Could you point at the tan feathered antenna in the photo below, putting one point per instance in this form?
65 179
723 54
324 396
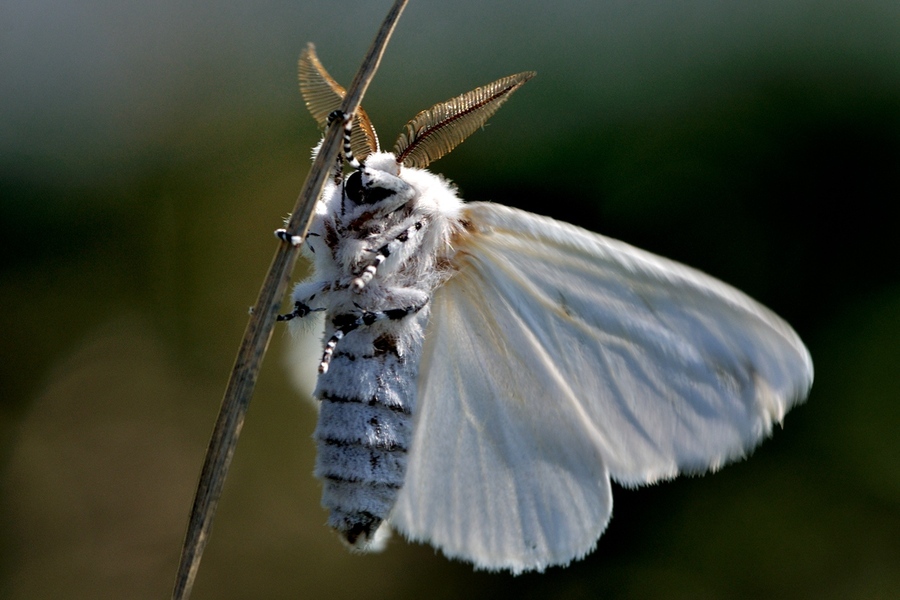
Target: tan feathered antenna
438 130
323 95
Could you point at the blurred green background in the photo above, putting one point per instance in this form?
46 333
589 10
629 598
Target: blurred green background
148 150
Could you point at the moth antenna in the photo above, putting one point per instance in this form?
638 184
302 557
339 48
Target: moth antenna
323 96
438 130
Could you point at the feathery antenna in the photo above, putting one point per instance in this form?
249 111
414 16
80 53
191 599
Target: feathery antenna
438 130
324 95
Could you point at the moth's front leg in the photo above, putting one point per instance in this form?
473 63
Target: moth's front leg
295 240
284 236
368 273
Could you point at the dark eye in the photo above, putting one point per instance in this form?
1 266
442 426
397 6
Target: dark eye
353 187
359 194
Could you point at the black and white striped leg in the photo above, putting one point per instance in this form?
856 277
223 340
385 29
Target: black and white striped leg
346 323
284 236
381 255
300 311
348 130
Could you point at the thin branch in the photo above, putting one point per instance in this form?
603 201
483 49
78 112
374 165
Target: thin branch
262 321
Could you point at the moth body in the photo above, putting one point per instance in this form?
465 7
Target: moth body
397 231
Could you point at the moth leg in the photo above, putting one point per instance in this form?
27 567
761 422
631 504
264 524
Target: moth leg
348 130
381 255
295 240
348 322
304 293
284 236
300 310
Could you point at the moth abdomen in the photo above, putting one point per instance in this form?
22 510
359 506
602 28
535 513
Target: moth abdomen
362 469
363 436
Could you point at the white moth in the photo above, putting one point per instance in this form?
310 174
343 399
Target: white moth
487 372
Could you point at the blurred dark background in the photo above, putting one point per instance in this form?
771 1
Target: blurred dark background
147 151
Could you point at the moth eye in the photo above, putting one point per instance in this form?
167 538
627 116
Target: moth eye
359 194
353 187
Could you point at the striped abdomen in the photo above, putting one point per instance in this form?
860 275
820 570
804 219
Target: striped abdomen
363 434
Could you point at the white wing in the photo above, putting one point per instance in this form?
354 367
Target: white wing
555 359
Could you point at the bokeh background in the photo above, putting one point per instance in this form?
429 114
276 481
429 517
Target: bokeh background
148 150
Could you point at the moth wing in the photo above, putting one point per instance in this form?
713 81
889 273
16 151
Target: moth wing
555 359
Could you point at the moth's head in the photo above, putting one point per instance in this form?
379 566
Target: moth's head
377 179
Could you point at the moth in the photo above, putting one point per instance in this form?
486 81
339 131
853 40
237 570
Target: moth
487 372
